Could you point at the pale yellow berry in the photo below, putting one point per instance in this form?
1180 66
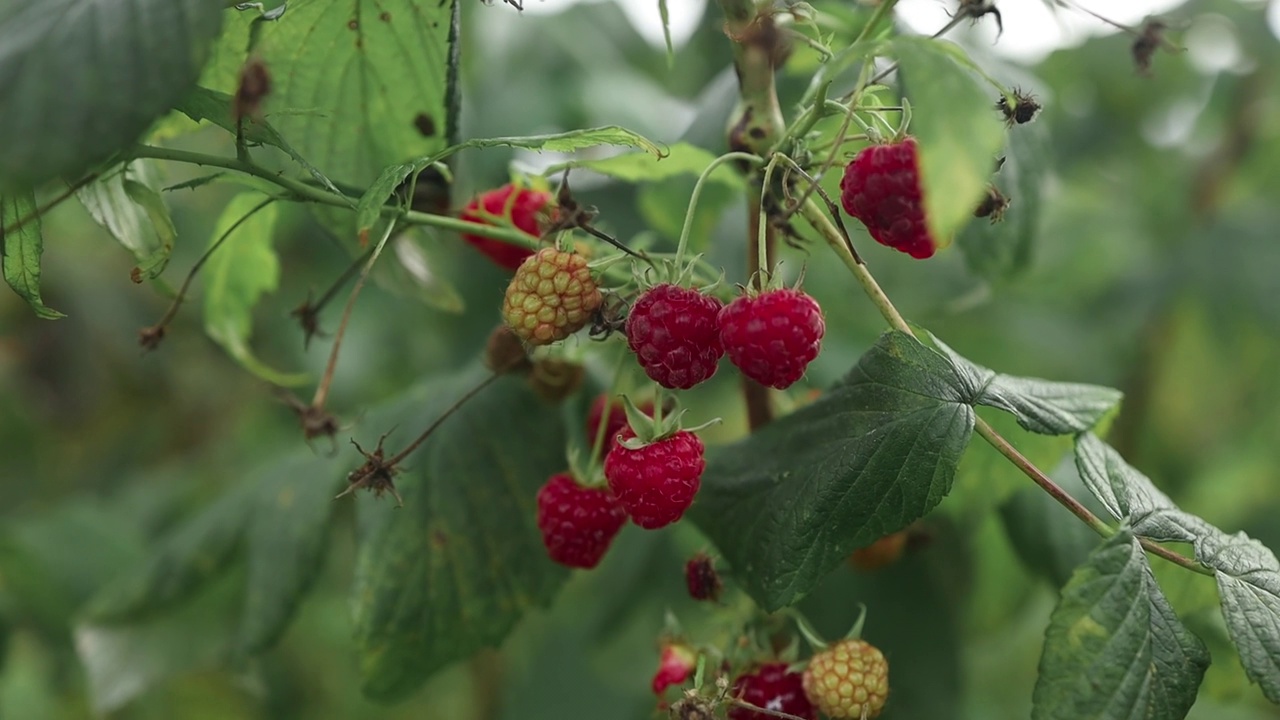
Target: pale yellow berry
847 679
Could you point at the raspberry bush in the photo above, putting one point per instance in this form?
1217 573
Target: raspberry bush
557 371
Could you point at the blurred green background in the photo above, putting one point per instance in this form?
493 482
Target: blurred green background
1150 265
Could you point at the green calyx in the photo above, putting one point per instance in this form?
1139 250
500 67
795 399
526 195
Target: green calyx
662 425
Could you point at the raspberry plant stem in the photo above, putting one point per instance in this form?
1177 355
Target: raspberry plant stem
304 192
687 229
834 238
322 390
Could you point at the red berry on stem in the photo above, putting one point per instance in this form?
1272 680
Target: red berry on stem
701 578
772 337
676 665
656 483
524 215
675 335
881 187
578 523
773 688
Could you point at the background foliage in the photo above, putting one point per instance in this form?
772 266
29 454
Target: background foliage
1147 264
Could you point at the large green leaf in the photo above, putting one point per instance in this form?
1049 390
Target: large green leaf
286 540
877 452
20 250
126 204
454 569
183 562
681 159
238 273
1249 584
1124 491
956 125
82 79
359 85
1114 647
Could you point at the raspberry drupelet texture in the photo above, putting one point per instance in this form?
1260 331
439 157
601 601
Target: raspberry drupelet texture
657 482
675 335
577 523
847 679
551 296
881 187
524 215
772 337
773 688
701 578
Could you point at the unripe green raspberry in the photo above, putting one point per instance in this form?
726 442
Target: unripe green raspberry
551 296
846 679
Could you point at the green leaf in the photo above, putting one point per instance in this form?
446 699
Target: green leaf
124 661
287 537
456 568
21 249
1124 491
956 126
151 203
358 86
681 159
1005 249
120 65
236 275
184 561
370 207
1248 577
1041 406
126 205
1114 648
872 455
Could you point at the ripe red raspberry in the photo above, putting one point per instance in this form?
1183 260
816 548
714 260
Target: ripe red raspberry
578 523
551 296
524 215
676 665
674 333
773 688
881 187
614 423
846 679
657 482
772 337
701 578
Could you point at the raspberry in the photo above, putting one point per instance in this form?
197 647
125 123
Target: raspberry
614 423
772 337
773 688
657 482
551 296
674 333
577 523
674 667
847 679
881 553
524 215
702 579
881 187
